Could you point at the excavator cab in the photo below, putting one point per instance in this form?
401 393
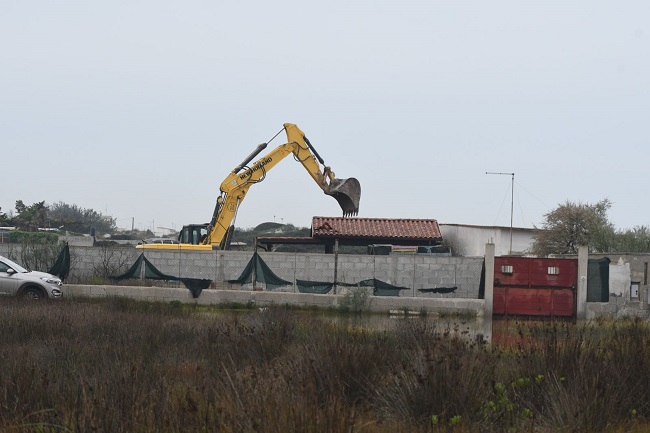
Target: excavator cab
193 234
348 193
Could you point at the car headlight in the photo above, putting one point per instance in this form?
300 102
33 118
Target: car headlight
55 281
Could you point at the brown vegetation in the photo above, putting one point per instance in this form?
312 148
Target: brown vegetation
123 366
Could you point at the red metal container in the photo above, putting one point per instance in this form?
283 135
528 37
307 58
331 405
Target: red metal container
535 286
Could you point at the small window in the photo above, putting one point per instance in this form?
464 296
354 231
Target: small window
553 270
506 269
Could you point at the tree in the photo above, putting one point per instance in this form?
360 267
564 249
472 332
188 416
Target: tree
30 218
80 220
573 224
636 240
4 219
59 215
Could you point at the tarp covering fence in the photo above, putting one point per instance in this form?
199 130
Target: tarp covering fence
61 266
317 287
258 271
143 268
439 290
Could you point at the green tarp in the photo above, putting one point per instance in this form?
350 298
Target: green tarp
439 290
61 267
150 271
380 288
258 271
317 287
144 268
598 280
196 285
481 284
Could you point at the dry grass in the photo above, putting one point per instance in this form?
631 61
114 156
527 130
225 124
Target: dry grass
122 366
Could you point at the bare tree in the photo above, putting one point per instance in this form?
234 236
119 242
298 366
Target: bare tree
112 261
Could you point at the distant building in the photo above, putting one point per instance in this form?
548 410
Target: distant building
470 240
4 234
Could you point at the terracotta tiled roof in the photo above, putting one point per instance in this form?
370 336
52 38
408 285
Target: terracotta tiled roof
398 229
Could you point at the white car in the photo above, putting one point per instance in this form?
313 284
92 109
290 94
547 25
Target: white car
18 281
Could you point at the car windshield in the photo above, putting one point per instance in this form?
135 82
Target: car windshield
14 265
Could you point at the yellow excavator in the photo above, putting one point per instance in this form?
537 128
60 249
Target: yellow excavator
218 233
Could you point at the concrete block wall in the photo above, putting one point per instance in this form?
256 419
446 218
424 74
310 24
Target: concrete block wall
201 264
283 265
86 262
82 241
415 272
231 264
638 272
617 307
313 267
354 268
411 271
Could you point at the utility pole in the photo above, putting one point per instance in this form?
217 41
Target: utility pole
512 201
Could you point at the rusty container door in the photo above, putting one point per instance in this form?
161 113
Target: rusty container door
535 286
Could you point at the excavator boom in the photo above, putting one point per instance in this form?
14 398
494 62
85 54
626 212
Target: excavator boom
347 192
234 187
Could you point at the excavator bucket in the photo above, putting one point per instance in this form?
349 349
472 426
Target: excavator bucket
348 193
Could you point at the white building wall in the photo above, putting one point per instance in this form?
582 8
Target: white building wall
469 241
620 279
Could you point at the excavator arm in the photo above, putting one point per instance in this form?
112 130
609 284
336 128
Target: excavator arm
235 186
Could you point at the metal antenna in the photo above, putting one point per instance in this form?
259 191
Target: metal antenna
512 201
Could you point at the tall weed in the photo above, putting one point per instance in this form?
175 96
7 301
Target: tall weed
124 366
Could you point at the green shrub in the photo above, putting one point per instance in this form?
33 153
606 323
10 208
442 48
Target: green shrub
21 237
356 300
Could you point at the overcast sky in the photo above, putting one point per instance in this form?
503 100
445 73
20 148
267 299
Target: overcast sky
139 109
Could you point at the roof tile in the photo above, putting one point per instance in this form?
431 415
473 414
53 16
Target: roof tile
327 227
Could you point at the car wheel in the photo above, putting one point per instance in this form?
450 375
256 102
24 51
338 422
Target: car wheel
33 293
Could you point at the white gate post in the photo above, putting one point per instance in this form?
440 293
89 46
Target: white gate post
581 295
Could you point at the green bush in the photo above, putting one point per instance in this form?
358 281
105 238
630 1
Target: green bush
356 300
21 237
